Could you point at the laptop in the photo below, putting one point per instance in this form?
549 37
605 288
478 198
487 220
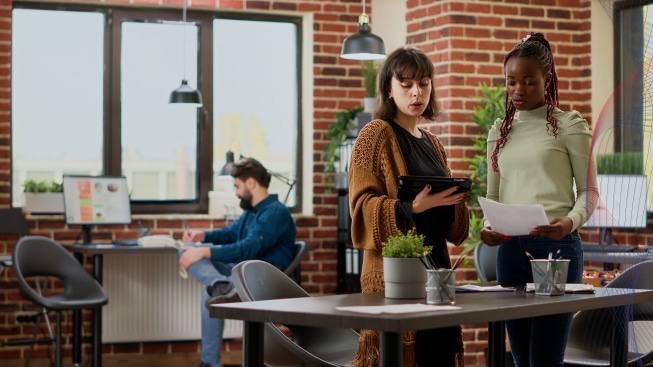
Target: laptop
410 186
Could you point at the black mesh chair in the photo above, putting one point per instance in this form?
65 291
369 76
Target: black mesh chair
293 269
591 331
36 256
309 346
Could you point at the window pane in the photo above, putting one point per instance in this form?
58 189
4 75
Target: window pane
647 117
57 91
156 135
255 96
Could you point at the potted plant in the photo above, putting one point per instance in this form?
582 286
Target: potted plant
369 72
338 132
403 272
43 197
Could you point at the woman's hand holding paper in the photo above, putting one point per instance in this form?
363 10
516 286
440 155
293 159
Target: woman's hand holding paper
491 238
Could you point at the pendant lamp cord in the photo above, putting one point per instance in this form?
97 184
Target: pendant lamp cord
184 36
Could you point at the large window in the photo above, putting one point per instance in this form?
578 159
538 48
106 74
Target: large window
633 130
101 78
57 95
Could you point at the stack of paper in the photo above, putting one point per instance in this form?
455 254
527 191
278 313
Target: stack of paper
396 309
569 288
468 288
513 220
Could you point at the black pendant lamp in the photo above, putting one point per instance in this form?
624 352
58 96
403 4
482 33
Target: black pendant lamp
363 45
185 94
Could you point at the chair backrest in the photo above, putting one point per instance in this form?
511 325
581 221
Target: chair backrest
485 260
591 330
293 269
257 281
41 256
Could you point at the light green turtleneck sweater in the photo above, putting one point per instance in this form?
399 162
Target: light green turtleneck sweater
536 168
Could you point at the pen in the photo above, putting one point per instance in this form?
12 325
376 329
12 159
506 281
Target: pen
529 255
556 255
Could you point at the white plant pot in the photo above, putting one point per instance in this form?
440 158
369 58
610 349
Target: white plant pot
404 278
369 104
44 202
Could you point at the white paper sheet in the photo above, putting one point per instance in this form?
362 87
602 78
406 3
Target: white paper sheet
513 220
395 309
467 288
569 288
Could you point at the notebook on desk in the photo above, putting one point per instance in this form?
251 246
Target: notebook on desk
127 242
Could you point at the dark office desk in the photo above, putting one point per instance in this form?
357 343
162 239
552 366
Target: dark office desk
96 251
494 308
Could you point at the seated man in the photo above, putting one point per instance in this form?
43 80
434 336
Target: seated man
265 232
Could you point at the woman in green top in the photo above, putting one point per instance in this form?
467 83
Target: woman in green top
535 153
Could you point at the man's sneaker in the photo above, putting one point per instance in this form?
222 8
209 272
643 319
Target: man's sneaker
222 293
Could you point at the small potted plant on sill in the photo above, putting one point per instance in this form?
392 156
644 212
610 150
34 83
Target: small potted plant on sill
43 197
403 272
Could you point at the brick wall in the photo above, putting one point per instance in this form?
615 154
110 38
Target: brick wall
467 41
337 85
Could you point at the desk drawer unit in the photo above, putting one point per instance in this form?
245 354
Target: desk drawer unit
149 301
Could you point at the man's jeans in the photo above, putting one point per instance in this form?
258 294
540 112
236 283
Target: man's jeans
538 341
208 272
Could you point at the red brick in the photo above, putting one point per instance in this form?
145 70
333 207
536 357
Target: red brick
284 6
257 4
155 348
185 346
310 7
531 12
500 9
477 8
542 24
517 23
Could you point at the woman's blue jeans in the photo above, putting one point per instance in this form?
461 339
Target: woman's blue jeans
538 341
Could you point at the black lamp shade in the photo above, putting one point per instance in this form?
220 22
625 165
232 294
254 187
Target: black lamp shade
363 45
186 94
228 166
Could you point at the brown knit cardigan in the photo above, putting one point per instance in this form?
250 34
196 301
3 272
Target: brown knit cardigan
376 163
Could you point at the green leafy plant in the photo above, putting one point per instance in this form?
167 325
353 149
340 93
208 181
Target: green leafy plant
621 164
405 245
41 186
485 114
337 133
369 71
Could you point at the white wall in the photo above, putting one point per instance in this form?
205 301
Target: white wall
388 21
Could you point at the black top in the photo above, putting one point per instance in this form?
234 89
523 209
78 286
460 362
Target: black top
422 160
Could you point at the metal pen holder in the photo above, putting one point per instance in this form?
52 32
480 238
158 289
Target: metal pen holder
550 276
441 287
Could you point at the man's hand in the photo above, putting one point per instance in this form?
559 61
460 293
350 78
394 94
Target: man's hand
193 254
491 238
556 230
192 236
424 201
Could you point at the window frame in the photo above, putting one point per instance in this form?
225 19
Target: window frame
111 152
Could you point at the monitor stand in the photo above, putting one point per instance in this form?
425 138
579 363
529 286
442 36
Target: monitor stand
605 239
86 231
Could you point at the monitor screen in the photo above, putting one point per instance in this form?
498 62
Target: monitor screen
96 200
622 202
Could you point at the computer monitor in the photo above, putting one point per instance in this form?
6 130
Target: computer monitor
90 200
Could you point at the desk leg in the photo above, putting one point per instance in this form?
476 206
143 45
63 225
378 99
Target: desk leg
497 344
391 349
619 348
77 327
97 316
253 348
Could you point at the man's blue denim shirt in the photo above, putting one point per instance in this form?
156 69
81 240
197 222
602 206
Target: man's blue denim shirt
265 232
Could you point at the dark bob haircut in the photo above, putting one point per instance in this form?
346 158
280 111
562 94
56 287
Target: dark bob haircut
405 63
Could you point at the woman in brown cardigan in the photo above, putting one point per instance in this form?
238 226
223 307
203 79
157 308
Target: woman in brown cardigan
388 147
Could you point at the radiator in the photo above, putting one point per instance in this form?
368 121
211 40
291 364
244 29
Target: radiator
149 301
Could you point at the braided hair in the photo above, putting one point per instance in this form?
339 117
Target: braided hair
537 47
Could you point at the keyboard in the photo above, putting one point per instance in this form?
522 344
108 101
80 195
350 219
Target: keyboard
127 242
609 248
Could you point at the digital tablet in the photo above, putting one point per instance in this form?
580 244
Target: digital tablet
410 186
